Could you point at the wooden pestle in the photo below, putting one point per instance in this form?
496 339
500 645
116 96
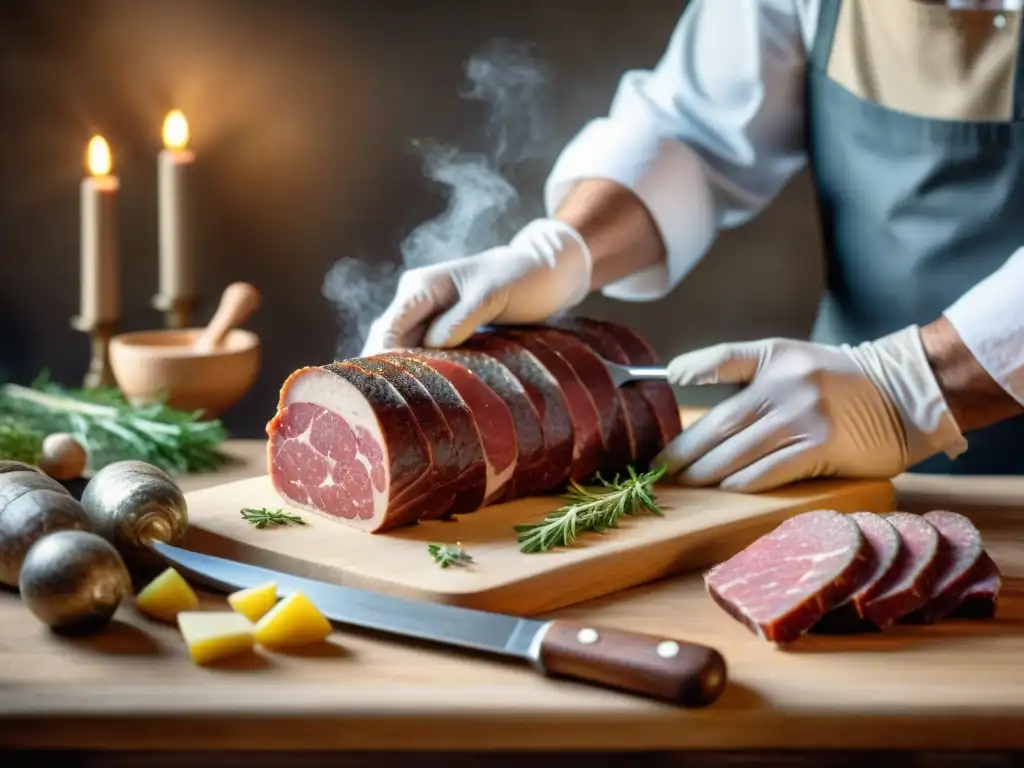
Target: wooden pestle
237 304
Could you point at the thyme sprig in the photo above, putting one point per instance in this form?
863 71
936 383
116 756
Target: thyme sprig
262 517
446 554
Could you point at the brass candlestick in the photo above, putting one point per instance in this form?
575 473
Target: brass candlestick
177 311
100 373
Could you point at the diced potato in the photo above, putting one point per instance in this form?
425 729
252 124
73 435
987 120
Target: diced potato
214 635
293 621
253 603
166 596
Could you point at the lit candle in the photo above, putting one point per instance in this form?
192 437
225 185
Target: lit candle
99 267
177 267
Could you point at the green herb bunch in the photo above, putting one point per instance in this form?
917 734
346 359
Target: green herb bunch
107 426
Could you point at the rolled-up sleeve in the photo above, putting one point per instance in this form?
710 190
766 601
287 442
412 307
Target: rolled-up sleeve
708 137
990 321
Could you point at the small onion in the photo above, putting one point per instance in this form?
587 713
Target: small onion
74 581
62 457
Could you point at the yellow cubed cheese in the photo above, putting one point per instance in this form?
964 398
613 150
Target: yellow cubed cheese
166 596
214 635
254 602
293 621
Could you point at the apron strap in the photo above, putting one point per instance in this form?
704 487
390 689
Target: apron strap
1018 76
828 19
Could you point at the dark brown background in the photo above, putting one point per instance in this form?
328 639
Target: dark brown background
302 113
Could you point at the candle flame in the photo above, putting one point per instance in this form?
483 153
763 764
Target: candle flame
175 130
98 156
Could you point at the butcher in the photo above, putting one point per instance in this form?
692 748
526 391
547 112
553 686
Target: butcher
910 117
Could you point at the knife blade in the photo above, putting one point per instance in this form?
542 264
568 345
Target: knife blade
669 670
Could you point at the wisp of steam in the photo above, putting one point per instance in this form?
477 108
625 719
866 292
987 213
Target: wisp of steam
484 208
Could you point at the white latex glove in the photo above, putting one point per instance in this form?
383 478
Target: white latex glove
811 410
544 270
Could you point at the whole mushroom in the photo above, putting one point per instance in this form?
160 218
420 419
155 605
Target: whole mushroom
32 505
131 503
73 581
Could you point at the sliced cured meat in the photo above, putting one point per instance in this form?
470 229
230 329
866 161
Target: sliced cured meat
782 584
980 597
658 394
479 419
907 586
959 551
588 447
462 448
884 542
598 384
527 438
642 429
546 397
345 444
436 434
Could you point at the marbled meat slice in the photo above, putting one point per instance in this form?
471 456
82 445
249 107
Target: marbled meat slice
782 584
959 551
885 543
980 598
482 419
908 585
588 449
546 397
527 437
659 395
642 429
345 445
598 383
434 429
465 451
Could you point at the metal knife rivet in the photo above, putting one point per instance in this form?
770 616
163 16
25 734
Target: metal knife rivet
587 636
999 21
668 649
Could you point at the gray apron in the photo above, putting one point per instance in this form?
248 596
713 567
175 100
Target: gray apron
915 211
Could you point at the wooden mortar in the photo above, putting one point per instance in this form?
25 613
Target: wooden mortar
208 369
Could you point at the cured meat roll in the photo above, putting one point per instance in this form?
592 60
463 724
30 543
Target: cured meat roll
346 445
417 435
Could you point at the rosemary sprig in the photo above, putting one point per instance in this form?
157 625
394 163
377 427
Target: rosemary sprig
593 508
263 517
445 554
107 426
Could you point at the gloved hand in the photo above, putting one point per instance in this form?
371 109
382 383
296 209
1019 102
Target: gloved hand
811 410
544 270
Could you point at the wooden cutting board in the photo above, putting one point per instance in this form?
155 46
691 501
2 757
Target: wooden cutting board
700 527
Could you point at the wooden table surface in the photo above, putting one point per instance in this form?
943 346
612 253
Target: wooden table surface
955 685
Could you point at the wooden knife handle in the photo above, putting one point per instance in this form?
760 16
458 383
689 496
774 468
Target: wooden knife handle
685 674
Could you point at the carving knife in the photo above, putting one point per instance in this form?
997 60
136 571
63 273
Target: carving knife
673 671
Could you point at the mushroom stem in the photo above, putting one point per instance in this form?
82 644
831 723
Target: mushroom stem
153 528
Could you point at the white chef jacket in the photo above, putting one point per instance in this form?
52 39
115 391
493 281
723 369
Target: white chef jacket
709 137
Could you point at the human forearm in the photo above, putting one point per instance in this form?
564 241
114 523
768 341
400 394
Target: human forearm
975 399
617 228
